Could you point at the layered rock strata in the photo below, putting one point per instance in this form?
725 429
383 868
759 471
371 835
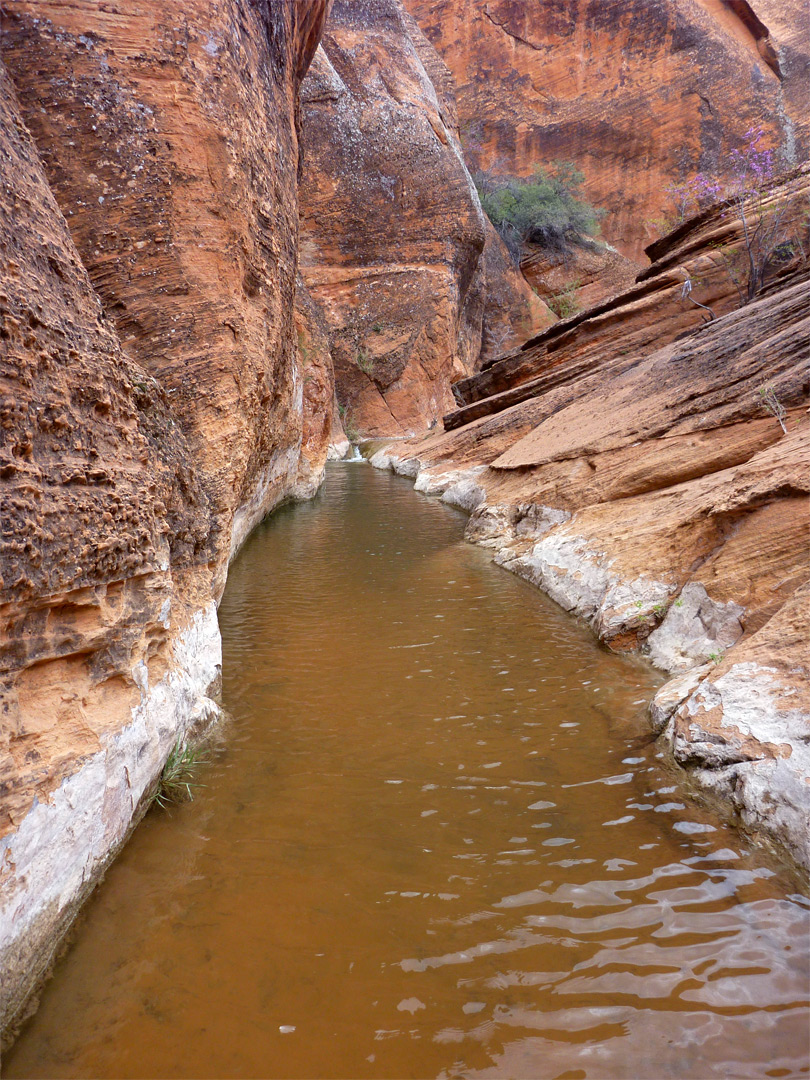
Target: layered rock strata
169 139
415 286
706 254
641 477
162 384
588 273
639 95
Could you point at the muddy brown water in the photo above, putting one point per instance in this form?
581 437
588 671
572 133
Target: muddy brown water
434 841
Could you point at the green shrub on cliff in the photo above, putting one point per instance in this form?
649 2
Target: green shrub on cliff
544 209
564 304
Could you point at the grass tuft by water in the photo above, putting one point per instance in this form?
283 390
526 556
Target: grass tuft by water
178 779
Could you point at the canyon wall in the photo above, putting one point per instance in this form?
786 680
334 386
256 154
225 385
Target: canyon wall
170 142
649 468
167 375
415 285
164 383
639 94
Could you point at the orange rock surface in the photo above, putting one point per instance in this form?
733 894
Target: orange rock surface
169 139
639 95
706 252
413 282
163 383
100 502
586 274
630 461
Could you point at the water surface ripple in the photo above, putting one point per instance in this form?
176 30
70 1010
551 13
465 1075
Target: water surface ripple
436 841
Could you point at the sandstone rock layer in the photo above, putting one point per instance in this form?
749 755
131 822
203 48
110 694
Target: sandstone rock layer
640 95
413 282
631 463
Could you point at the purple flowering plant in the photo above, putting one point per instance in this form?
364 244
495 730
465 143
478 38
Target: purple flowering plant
747 196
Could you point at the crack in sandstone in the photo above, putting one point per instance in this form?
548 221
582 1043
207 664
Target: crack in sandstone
510 33
752 23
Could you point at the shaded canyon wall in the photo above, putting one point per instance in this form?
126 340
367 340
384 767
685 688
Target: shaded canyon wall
415 286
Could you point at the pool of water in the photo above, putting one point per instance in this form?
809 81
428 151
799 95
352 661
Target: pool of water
434 840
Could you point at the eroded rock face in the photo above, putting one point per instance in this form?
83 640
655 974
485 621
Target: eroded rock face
413 282
155 402
638 94
581 277
631 469
105 575
169 139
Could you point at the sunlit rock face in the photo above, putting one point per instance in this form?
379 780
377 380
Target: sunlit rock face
412 281
640 94
153 404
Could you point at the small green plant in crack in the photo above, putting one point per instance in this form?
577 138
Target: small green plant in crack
349 427
304 351
679 602
639 603
178 779
715 657
364 362
770 402
564 304
377 328
659 609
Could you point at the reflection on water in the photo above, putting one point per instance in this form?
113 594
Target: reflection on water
436 842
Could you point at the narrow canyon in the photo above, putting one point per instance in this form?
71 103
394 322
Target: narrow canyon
244 238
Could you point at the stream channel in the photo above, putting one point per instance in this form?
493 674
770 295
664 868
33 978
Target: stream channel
435 840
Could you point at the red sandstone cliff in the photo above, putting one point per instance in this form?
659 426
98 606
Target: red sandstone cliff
640 94
163 385
626 462
411 278
170 142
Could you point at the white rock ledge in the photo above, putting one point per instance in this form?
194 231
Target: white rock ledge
758 762
741 739
696 628
50 862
